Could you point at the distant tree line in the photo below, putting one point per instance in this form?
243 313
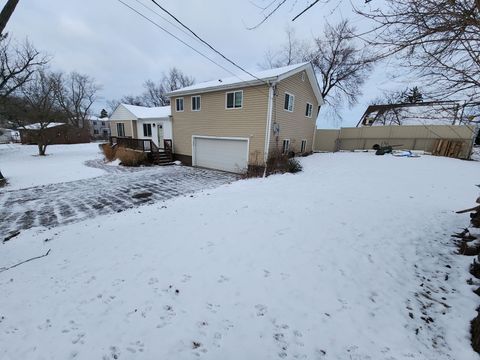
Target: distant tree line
154 94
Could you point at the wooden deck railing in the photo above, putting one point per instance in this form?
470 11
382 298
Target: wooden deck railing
145 145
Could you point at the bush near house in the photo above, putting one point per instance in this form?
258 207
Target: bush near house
108 151
129 157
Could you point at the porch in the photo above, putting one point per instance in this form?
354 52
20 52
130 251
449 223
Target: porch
156 155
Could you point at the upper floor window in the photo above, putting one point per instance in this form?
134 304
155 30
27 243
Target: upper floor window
235 99
103 123
147 130
309 110
179 104
196 103
289 102
94 123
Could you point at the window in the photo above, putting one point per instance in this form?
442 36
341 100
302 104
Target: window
95 132
147 130
309 110
121 129
105 132
179 104
303 147
289 100
303 76
94 123
235 99
196 103
103 123
286 146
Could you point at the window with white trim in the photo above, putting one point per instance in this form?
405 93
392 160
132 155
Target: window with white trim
147 130
235 99
303 147
309 110
285 146
121 129
196 103
289 102
179 104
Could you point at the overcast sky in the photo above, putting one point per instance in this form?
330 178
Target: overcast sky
106 40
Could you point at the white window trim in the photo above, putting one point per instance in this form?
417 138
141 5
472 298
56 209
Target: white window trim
191 100
311 110
283 148
176 105
226 97
293 102
303 140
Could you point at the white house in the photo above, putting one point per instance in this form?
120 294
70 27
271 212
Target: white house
140 122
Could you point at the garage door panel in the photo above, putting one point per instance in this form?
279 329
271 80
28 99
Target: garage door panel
222 154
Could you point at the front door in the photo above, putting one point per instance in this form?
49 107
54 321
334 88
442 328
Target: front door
160 135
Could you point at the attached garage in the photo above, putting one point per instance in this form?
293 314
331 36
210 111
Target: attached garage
221 153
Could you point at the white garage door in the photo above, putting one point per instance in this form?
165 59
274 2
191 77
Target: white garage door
221 154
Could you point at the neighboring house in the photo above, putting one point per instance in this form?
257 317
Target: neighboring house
141 122
54 133
99 127
9 136
233 123
421 113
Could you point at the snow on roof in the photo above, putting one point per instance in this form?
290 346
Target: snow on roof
244 80
96 118
144 112
38 126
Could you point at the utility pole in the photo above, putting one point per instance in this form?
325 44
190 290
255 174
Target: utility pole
6 13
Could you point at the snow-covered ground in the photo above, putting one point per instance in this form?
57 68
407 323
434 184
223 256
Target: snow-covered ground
341 261
23 168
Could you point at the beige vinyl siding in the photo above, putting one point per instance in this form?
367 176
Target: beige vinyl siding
294 125
129 124
215 120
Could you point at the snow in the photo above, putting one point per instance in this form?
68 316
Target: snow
37 126
324 264
263 75
143 112
23 168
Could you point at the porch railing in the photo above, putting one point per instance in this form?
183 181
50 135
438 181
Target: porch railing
145 145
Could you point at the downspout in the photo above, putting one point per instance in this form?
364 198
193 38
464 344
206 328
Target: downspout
268 130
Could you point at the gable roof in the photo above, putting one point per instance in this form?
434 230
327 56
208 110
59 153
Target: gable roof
259 78
144 112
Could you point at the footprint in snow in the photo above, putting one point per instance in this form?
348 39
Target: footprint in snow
261 309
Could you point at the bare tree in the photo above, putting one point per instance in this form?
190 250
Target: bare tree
438 39
18 62
155 94
341 64
292 52
36 108
272 7
6 13
76 93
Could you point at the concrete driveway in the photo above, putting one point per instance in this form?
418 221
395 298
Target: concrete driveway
121 188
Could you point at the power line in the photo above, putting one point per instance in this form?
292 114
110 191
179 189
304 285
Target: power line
174 36
189 46
205 42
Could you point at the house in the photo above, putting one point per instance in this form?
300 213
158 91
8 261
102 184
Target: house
233 123
139 122
99 127
420 113
9 136
54 133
